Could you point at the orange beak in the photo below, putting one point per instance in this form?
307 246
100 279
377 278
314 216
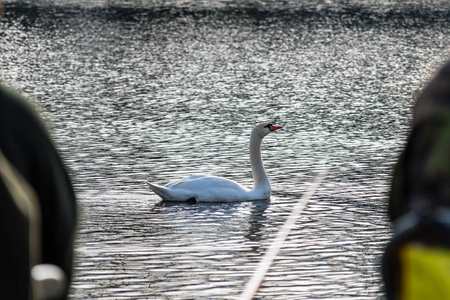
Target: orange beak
273 128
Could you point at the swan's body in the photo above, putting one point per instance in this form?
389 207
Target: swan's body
206 188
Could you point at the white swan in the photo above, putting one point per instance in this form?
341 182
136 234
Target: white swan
206 188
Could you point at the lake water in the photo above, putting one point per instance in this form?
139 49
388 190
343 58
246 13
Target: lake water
158 90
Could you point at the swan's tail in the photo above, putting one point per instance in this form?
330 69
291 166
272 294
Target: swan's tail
161 191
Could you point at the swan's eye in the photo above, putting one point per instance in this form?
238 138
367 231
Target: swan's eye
272 128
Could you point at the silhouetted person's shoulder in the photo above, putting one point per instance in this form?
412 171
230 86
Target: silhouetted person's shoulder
422 174
27 145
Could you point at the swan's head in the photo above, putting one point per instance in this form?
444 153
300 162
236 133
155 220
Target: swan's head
264 129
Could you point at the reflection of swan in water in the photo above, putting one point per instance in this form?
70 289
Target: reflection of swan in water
246 220
257 220
206 188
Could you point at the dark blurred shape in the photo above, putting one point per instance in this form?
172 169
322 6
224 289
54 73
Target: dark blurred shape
35 191
422 175
416 264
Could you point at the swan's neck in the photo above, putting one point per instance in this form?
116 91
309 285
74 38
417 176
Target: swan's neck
259 174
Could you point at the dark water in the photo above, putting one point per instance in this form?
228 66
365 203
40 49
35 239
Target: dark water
159 90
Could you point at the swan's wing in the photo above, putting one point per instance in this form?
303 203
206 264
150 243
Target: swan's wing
206 183
184 180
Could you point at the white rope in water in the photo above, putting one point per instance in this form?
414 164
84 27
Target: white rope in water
255 281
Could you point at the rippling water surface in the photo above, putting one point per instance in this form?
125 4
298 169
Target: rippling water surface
161 90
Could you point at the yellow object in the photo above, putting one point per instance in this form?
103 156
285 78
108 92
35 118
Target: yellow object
425 272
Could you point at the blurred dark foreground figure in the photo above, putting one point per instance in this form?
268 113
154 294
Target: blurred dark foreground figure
37 206
416 264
